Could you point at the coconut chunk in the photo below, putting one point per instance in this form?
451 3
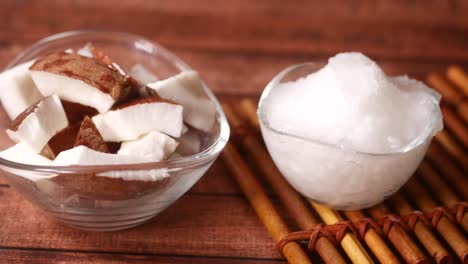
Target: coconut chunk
84 133
77 112
72 90
82 155
189 143
79 79
139 117
101 56
185 129
22 153
89 136
174 155
18 90
154 144
63 140
186 88
39 123
142 75
113 147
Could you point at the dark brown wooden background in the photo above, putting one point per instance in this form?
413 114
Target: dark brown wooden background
237 46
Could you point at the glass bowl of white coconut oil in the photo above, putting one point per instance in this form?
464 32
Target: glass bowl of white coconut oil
345 134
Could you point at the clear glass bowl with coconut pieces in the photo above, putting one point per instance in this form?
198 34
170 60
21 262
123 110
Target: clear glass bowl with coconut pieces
104 130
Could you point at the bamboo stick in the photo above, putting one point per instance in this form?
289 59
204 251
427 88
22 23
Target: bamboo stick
440 188
290 198
261 204
373 240
350 244
456 74
462 110
249 107
421 231
399 238
458 128
450 94
294 203
238 126
452 235
453 148
452 173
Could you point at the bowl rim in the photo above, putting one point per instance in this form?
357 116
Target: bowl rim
177 163
428 132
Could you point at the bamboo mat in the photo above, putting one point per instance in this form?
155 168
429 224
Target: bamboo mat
425 222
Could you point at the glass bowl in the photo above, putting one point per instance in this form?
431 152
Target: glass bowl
335 175
108 197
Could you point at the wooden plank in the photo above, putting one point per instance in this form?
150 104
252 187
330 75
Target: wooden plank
248 74
237 46
15 256
375 33
3 181
196 225
434 11
216 181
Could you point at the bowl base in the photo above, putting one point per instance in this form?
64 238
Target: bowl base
105 229
107 226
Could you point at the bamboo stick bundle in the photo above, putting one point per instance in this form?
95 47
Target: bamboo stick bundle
450 170
292 200
261 204
435 182
444 226
459 77
453 149
350 244
440 189
373 240
458 128
462 110
421 230
405 245
249 108
450 93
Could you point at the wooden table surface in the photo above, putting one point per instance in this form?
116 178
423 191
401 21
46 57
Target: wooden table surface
237 46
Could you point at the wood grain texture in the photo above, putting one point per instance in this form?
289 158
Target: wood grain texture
3 181
237 46
18 256
195 225
296 27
